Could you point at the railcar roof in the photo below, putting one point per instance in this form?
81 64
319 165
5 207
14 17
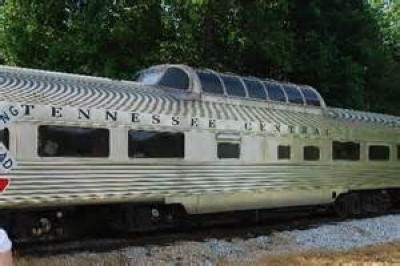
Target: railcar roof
366 117
206 81
52 88
60 89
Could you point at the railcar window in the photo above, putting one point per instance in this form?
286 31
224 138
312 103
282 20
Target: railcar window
311 97
255 89
175 78
68 141
379 153
233 86
346 151
210 82
398 152
284 152
155 144
294 95
275 93
149 77
228 150
311 153
5 137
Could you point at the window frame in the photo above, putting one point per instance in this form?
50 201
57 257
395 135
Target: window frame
309 101
360 151
7 134
160 71
158 130
73 158
369 146
267 85
239 80
291 90
246 80
212 73
312 160
278 152
398 152
238 143
174 68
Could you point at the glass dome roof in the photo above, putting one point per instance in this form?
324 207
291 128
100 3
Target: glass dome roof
255 88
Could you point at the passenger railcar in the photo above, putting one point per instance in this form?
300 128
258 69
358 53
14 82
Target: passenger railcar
183 139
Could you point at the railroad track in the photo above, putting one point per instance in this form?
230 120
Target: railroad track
112 240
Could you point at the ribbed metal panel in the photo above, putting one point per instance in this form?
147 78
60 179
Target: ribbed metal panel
54 182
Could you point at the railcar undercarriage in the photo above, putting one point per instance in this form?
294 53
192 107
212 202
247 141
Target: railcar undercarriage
46 224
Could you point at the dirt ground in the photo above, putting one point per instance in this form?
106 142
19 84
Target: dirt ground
387 254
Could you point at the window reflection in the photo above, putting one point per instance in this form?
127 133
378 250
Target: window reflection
294 95
175 78
255 89
150 76
346 151
275 93
210 83
228 150
5 137
233 86
284 152
311 153
66 141
398 152
155 144
311 97
379 153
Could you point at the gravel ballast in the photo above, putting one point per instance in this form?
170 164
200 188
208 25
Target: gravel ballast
339 236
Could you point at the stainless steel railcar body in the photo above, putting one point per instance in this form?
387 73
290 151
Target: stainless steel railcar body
200 181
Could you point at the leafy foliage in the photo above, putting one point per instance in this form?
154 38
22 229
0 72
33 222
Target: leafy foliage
348 50
100 38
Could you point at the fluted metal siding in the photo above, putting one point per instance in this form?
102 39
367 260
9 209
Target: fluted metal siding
43 183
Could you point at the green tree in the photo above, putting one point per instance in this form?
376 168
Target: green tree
31 28
113 39
339 50
238 36
100 38
384 93
348 50
388 12
3 46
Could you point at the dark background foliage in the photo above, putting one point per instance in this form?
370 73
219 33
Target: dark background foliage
348 50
